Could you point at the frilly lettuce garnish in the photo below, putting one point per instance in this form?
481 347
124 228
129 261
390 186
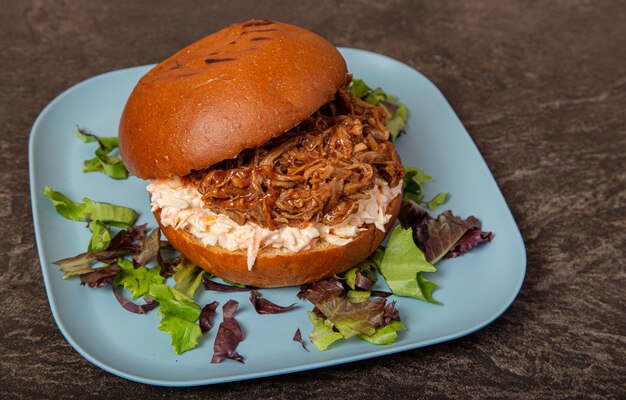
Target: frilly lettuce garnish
103 162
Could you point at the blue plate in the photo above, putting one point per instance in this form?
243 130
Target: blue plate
474 289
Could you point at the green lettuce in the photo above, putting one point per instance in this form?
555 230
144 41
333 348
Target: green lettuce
179 314
436 201
412 188
110 165
349 318
402 265
359 88
105 144
385 335
103 162
323 334
188 277
137 280
100 236
363 271
184 333
358 296
397 121
92 210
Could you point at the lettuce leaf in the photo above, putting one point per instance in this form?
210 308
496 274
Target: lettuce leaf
297 337
361 277
126 241
426 287
471 239
112 166
179 314
436 201
173 302
444 236
205 316
219 287
323 334
133 307
137 280
402 265
188 277
359 88
81 264
184 333
412 188
397 121
385 335
264 306
100 236
99 277
149 248
358 296
106 144
349 318
104 212
229 334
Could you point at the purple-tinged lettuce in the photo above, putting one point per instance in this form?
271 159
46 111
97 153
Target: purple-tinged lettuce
148 248
297 337
444 236
323 334
229 334
133 307
263 306
205 316
219 287
349 318
471 239
99 277
126 241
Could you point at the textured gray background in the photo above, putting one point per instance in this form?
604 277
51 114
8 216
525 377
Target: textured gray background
541 87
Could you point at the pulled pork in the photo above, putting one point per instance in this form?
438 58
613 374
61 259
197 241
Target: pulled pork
315 172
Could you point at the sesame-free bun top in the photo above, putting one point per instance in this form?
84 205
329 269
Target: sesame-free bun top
232 90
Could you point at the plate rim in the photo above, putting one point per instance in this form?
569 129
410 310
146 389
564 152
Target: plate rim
376 351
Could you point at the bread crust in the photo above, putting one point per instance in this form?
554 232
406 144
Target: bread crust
275 269
232 90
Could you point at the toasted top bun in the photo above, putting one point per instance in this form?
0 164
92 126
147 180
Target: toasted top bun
274 268
232 90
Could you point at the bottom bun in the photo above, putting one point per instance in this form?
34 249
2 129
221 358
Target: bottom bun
274 268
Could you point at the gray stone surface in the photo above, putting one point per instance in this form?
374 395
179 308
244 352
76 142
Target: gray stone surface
541 87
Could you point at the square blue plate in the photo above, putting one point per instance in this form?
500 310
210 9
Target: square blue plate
474 289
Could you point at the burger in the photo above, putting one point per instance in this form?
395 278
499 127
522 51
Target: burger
263 168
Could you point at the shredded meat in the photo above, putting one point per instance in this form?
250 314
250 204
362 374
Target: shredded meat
315 172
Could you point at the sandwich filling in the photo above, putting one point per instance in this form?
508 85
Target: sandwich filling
325 179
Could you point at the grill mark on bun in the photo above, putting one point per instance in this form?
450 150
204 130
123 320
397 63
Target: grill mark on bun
217 60
266 30
256 39
263 22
